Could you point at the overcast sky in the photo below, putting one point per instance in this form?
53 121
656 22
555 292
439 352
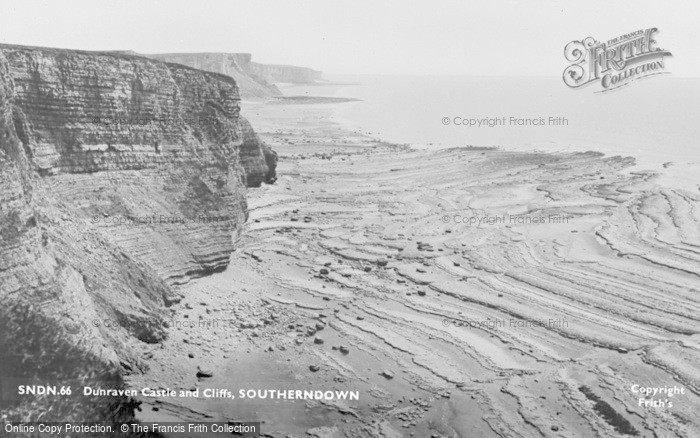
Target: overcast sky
361 36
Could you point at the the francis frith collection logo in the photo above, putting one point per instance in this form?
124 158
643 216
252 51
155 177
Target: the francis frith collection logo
614 63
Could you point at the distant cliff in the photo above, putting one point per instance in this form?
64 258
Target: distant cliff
254 79
235 65
120 177
286 73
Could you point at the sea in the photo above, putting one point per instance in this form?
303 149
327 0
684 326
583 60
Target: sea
655 120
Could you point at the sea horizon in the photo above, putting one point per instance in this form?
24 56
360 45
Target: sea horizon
650 122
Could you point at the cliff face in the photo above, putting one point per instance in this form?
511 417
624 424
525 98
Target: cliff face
90 112
19 235
236 65
120 177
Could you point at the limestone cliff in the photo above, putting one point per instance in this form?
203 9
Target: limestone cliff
120 177
286 73
255 80
236 65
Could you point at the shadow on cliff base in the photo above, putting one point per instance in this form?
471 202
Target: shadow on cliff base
35 351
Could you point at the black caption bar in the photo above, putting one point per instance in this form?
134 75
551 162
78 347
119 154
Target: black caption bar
168 429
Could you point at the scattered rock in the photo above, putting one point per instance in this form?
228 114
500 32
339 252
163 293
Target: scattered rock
202 373
344 349
314 368
323 432
387 374
318 340
324 271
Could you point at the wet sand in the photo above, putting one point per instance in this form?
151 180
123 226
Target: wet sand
506 294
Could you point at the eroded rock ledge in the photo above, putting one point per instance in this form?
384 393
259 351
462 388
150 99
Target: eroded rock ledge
120 177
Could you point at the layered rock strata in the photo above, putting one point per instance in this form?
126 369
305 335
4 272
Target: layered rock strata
120 178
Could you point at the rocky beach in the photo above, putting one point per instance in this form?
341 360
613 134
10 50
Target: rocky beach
466 292
187 255
367 219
